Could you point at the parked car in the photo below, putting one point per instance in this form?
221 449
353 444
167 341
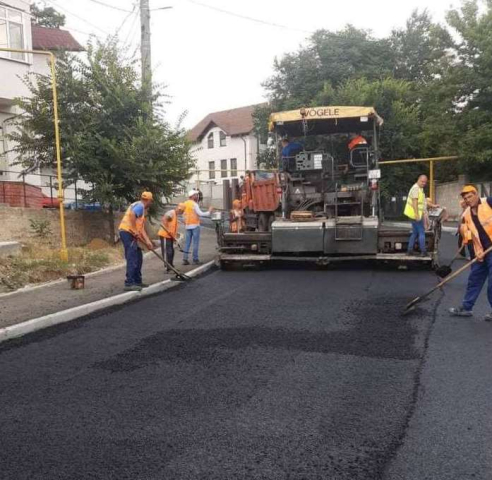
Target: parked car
50 202
92 207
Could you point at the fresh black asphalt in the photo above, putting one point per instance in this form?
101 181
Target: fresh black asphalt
284 373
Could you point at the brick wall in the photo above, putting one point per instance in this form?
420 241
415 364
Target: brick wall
81 226
19 194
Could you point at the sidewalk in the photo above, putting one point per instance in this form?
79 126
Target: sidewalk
28 304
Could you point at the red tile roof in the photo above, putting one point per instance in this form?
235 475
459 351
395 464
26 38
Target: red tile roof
44 38
238 121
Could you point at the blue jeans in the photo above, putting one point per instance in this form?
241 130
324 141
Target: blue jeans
418 231
134 259
192 234
480 271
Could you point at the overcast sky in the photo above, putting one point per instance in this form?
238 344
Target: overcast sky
213 61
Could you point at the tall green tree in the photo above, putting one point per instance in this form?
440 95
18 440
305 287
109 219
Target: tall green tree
472 76
109 138
47 16
328 59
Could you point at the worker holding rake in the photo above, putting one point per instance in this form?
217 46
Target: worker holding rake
476 229
132 230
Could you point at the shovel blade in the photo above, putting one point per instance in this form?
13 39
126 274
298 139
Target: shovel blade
443 271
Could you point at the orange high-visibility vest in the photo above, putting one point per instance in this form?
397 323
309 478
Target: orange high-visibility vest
359 140
468 230
171 224
126 224
237 225
191 218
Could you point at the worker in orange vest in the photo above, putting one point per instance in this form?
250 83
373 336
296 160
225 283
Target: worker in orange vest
236 218
357 141
192 215
476 229
168 233
132 230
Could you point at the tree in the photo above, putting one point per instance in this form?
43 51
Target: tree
47 17
328 59
421 50
108 137
472 74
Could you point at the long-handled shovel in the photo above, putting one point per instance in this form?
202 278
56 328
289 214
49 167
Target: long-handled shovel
444 270
411 306
179 274
175 240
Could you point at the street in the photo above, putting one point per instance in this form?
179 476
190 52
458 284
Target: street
285 373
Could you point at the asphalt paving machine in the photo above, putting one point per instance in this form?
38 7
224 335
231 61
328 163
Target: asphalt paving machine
324 203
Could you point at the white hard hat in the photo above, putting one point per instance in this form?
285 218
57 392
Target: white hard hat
191 193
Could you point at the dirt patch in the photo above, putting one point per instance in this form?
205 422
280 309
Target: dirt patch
42 264
98 244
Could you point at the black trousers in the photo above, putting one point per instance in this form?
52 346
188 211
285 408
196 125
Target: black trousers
167 249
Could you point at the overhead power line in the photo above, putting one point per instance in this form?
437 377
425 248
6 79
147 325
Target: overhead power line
245 17
59 7
111 6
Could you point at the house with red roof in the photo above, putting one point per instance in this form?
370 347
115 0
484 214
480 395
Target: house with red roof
224 145
17 32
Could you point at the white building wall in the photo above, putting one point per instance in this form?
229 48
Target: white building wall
242 148
11 69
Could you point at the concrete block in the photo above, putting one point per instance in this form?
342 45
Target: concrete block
10 248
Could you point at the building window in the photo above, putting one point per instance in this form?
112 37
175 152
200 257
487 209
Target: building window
11 32
233 167
211 170
210 140
223 141
223 168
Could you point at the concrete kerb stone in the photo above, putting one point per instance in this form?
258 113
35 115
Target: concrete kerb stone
30 326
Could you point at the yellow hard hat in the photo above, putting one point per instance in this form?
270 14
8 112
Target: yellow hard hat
468 189
147 196
236 203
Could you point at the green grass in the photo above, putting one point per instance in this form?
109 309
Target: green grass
38 265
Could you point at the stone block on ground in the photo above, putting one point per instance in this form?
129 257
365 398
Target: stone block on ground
10 248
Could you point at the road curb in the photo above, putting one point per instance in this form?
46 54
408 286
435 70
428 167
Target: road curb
29 326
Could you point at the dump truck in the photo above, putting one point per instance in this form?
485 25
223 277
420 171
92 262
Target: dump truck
324 203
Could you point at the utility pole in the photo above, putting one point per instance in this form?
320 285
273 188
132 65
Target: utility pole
145 47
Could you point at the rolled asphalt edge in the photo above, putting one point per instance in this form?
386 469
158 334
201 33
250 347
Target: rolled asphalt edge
30 326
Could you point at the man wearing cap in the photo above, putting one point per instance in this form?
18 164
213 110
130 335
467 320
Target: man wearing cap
132 230
415 210
192 215
168 233
476 228
289 150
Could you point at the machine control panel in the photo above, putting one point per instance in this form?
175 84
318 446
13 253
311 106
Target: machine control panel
310 160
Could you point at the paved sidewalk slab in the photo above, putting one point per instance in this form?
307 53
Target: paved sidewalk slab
28 304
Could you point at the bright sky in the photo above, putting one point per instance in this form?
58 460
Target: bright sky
213 61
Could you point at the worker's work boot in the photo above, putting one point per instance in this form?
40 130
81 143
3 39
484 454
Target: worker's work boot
133 288
410 253
460 312
197 262
185 262
143 285
488 317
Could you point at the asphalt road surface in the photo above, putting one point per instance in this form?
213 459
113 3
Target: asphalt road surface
278 374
